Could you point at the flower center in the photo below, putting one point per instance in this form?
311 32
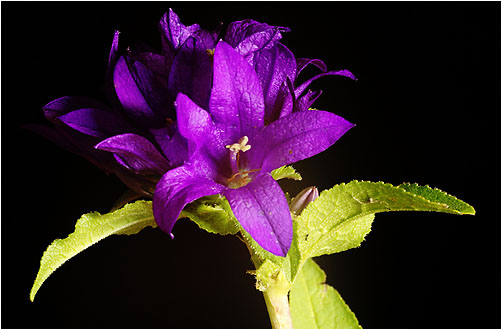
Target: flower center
240 176
242 145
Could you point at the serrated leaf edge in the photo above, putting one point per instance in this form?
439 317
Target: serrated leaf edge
473 212
39 280
445 206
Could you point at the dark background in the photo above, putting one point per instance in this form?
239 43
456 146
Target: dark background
427 109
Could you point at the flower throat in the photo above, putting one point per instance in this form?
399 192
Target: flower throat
240 176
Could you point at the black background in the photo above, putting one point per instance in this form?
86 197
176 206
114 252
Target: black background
427 109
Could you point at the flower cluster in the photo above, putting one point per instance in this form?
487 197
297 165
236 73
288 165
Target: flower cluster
204 116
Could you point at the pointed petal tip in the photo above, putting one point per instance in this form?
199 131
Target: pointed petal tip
100 145
279 249
283 252
222 44
348 74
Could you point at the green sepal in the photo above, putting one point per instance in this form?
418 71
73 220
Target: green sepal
316 305
269 277
90 229
213 214
286 172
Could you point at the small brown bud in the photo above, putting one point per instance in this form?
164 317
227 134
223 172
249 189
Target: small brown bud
303 198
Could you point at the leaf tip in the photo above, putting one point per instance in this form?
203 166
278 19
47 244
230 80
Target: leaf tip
436 195
33 292
469 210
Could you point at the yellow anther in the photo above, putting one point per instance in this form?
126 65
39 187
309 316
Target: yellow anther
245 148
241 146
243 140
210 52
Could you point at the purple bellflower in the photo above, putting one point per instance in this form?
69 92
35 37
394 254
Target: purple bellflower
141 87
232 152
250 86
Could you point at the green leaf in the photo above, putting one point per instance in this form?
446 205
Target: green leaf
341 217
90 229
316 305
213 214
438 196
286 172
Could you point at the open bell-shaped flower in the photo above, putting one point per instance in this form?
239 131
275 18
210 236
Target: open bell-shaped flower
232 152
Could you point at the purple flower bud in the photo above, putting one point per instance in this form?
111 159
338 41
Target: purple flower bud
303 198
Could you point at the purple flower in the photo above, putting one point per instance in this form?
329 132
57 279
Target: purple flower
256 122
232 152
141 86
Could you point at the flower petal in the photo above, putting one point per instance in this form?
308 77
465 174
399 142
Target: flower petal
273 67
174 33
140 92
172 143
263 211
66 104
96 122
194 123
176 189
236 98
305 101
156 63
191 72
295 137
206 141
135 153
249 36
345 73
113 55
304 62
285 100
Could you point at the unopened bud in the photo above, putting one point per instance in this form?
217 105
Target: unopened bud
303 199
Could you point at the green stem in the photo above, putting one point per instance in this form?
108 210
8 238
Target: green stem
278 309
276 298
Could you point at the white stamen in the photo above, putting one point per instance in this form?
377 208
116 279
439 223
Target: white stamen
241 146
243 140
